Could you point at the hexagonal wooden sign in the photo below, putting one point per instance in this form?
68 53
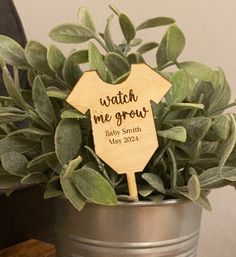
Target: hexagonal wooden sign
122 121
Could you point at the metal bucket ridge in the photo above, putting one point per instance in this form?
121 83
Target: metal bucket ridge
128 230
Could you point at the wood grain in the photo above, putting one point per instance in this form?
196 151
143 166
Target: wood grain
123 126
31 248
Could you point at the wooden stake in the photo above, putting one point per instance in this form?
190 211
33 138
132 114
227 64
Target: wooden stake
133 191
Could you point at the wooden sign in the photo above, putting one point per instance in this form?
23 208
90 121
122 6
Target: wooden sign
122 120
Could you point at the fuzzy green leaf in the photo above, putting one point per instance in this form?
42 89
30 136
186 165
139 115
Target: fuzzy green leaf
56 93
15 163
68 140
16 144
147 47
12 90
155 22
30 130
135 42
117 64
127 27
134 58
72 114
71 72
108 35
71 192
55 59
11 117
94 187
227 146
34 178
9 181
41 158
96 61
79 57
71 33
197 70
175 43
175 133
194 188
36 55
161 55
85 19
180 88
12 53
42 103
154 181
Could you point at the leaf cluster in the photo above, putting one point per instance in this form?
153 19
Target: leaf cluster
45 141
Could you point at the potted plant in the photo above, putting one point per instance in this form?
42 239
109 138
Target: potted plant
53 145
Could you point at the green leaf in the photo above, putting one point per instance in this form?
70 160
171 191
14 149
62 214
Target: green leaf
214 177
127 27
175 133
161 55
221 126
227 146
117 64
71 33
173 169
155 22
68 140
41 158
196 127
14 163
16 144
55 59
228 174
175 43
108 35
72 193
9 181
42 103
36 55
12 53
94 187
222 93
6 118
197 70
79 57
203 202
145 190
71 72
53 188
72 114
96 61
134 58
56 93
154 181
194 188
34 178
12 90
73 165
85 19
147 47
30 130
135 42
180 88
31 76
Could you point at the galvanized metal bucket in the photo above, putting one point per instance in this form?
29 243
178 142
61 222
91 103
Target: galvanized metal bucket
141 229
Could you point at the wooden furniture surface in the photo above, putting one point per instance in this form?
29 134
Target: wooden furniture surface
30 248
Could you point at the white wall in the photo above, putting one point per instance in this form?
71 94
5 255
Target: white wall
210 27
